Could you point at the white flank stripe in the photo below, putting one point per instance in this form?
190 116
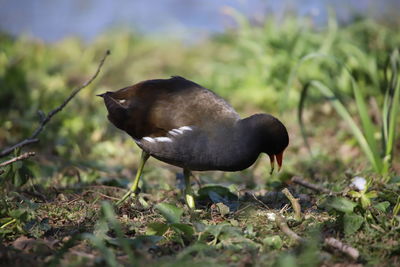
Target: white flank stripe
172 132
177 131
186 128
149 139
163 139
122 101
180 130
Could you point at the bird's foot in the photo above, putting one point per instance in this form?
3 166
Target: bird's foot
128 194
137 191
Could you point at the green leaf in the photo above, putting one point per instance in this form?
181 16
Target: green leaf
186 229
382 206
354 194
170 212
156 228
365 201
22 176
371 194
274 242
106 253
351 223
19 214
223 209
287 260
342 204
110 217
216 231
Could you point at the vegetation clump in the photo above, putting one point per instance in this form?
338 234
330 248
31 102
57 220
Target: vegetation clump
58 192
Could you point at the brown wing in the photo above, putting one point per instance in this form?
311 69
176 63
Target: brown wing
152 108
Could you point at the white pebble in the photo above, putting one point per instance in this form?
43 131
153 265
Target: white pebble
359 183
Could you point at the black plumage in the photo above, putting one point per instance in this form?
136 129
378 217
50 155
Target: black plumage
184 124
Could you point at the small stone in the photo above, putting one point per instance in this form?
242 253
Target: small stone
61 197
271 216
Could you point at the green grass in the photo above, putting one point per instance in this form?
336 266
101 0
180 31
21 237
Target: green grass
380 158
56 208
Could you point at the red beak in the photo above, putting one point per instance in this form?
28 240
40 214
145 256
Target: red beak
279 159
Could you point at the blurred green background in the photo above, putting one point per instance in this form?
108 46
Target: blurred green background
260 56
254 63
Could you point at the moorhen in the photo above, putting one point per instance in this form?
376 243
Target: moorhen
184 124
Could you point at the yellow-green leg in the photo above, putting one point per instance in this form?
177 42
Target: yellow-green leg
134 188
188 190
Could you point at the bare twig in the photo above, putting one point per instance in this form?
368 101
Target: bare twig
46 119
102 195
349 251
295 204
20 157
282 224
242 209
83 254
259 201
300 181
25 142
329 241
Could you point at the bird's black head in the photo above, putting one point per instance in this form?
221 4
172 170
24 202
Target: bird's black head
272 136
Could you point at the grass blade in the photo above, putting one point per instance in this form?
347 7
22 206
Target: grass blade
367 142
368 126
342 111
300 109
393 94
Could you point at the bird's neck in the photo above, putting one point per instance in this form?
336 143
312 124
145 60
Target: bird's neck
237 147
250 132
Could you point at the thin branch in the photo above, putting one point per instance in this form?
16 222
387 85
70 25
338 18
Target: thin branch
300 181
25 142
282 224
20 157
349 251
45 120
295 204
259 201
329 241
101 194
